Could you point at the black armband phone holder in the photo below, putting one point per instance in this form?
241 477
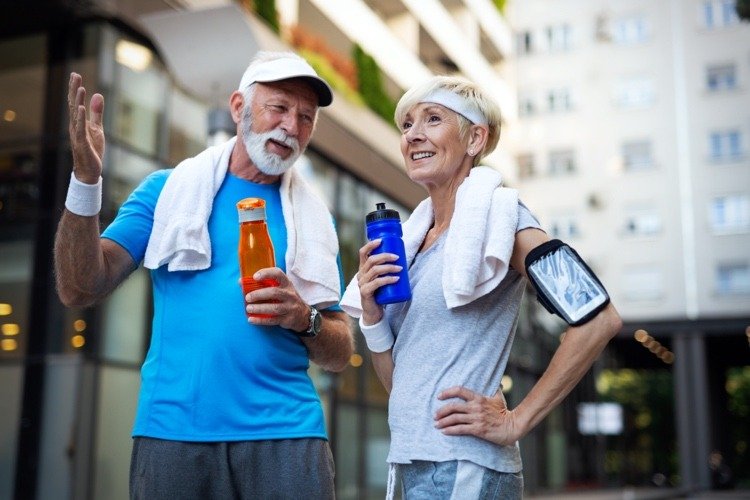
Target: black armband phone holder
564 284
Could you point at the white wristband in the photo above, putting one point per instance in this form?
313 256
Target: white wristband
84 199
379 336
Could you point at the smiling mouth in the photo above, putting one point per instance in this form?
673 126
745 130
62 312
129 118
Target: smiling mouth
419 156
279 144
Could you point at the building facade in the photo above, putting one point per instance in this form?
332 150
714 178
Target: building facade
166 70
632 143
71 376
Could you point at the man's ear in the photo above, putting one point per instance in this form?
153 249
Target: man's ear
236 105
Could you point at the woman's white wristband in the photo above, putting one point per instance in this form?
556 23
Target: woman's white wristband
84 199
379 336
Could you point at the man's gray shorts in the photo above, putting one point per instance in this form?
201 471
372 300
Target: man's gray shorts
273 469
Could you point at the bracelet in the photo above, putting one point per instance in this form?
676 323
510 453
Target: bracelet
379 336
84 199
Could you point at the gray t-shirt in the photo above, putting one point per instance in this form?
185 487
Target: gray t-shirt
437 348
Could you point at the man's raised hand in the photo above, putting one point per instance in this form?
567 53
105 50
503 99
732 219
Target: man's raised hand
86 135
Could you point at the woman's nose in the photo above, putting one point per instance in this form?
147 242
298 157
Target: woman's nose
414 133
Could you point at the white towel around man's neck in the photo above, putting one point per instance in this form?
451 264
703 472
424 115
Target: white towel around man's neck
180 239
479 243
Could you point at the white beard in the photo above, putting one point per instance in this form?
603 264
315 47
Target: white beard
255 144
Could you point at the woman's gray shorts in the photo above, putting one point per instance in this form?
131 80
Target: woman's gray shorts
458 479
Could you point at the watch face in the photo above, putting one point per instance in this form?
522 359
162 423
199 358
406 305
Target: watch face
317 322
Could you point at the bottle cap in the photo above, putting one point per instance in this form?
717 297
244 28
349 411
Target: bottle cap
251 209
382 213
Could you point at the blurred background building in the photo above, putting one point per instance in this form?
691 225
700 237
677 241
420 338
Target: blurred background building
626 131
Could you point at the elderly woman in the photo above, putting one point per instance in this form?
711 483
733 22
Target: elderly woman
442 354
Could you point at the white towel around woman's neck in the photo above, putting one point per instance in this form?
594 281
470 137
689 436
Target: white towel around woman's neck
479 243
180 239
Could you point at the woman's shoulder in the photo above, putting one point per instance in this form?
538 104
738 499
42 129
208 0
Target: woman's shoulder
526 218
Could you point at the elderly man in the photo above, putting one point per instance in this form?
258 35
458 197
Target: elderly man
226 407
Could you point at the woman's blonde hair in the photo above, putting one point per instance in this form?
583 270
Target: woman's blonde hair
475 98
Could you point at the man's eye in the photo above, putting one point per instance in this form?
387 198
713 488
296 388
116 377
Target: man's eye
307 118
278 108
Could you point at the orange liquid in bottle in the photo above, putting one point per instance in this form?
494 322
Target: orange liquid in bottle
255 249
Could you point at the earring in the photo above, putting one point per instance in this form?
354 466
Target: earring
471 152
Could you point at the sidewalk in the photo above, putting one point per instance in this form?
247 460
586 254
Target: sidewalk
641 494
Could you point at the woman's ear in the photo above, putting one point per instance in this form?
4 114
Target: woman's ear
478 135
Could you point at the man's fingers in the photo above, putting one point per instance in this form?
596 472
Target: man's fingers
73 85
272 273
97 109
80 125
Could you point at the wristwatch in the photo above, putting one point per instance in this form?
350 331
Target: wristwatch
316 322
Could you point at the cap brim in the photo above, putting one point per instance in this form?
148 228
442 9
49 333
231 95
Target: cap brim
319 86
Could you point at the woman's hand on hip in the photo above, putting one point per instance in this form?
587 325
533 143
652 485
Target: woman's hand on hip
484 417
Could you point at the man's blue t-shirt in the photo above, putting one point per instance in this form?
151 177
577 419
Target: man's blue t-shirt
209 375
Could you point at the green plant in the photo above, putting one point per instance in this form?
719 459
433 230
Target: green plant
326 71
371 84
266 10
743 9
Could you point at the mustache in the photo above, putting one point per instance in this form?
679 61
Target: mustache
282 137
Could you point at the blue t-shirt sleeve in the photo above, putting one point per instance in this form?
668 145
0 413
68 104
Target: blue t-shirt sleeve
132 226
337 307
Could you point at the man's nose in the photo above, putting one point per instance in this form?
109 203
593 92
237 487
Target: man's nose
290 123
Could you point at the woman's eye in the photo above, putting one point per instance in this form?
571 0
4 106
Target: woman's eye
434 118
406 126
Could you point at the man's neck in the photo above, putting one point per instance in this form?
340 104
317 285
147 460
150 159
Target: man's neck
241 166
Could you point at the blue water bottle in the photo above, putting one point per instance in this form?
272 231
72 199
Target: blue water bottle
385 223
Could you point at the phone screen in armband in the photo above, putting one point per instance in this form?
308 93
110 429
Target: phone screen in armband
568 285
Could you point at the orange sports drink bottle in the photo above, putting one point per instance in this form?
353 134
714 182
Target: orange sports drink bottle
255 249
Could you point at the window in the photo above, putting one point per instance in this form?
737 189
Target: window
642 221
629 30
725 145
721 77
719 13
636 155
641 283
526 105
730 213
635 93
140 96
524 43
558 38
558 100
526 168
564 227
733 278
562 162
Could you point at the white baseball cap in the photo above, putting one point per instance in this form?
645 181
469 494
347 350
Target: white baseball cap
284 68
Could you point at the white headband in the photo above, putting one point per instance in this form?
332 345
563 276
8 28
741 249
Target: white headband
456 103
